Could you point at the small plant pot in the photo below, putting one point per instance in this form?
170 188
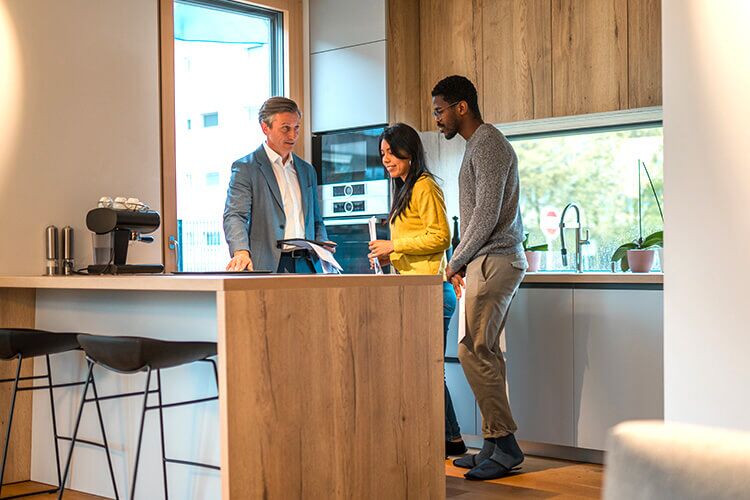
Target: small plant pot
641 261
535 260
661 258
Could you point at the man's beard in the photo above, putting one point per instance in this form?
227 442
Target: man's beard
450 134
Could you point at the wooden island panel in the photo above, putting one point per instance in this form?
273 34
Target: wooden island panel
332 393
17 309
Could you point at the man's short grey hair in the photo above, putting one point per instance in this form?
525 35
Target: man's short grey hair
276 105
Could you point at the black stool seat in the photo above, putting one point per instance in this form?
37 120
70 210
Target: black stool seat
134 354
29 342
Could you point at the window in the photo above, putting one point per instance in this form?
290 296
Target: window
210 120
599 171
213 238
212 179
230 61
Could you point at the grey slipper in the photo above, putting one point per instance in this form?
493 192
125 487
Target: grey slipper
471 461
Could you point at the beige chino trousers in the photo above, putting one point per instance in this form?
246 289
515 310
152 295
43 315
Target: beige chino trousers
491 283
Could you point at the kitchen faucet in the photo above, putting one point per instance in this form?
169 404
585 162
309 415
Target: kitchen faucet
579 241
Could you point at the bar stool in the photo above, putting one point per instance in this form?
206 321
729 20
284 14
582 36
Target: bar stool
128 355
27 343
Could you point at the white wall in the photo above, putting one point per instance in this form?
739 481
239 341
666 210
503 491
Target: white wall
707 179
79 91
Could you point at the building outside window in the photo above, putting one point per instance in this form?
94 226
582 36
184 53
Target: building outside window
230 61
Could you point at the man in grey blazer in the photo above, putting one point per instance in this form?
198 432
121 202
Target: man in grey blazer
273 195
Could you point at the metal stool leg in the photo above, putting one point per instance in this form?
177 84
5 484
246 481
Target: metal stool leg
140 434
54 422
75 430
104 437
10 421
163 439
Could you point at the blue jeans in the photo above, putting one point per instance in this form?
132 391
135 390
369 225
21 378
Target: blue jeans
452 431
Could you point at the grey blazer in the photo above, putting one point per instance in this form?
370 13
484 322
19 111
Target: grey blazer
254 215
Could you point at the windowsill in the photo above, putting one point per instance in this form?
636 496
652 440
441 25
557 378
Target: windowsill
593 277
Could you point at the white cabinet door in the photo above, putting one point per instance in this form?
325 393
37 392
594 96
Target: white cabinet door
619 368
343 23
539 356
348 87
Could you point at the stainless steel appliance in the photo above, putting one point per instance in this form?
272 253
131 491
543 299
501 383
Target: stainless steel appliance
351 176
353 236
354 187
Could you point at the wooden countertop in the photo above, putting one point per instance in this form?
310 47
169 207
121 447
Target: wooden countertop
596 278
212 283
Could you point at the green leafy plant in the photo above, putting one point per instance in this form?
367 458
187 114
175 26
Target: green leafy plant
653 240
536 248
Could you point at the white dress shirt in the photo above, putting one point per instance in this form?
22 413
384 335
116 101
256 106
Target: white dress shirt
286 177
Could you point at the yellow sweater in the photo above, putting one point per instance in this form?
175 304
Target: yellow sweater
421 235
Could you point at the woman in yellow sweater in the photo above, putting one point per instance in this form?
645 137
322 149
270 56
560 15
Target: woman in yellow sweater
419 234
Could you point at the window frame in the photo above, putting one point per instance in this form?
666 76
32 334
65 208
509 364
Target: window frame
276 19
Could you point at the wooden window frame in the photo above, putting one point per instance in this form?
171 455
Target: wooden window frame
293 62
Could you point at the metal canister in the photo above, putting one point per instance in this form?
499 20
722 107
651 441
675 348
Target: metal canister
52 267
67 250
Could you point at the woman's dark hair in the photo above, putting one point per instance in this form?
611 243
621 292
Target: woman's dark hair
406 145
458 88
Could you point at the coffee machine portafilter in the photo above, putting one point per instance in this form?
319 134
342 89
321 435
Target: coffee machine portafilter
124 226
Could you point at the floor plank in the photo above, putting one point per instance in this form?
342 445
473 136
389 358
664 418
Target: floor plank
30 486
538 478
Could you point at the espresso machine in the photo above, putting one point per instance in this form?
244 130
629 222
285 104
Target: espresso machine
114 229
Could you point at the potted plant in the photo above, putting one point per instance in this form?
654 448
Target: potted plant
533 253
638 255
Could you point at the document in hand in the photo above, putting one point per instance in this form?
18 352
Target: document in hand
327 260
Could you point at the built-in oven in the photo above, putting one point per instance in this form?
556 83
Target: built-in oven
353 237
351 176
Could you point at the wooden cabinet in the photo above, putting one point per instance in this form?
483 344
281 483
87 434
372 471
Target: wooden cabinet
450 33
644 53
404 97
529 59
589 56
516 60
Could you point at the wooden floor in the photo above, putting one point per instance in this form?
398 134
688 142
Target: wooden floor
30 486
539 478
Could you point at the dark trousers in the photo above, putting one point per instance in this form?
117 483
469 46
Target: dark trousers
297 262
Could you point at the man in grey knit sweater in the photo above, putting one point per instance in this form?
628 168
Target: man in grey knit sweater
491 257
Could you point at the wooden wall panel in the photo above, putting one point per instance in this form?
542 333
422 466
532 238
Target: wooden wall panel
589 56
450 33
644 53
404 91
336 393
517 60
17 310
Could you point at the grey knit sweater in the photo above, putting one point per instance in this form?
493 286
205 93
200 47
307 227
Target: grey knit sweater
488 198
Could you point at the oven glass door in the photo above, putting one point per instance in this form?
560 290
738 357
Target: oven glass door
352 156
353 237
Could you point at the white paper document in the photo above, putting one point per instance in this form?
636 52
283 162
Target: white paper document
371 222
327 260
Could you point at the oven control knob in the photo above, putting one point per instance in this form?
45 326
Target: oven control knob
348 190
348 206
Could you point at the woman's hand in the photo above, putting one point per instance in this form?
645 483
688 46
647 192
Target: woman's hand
380 249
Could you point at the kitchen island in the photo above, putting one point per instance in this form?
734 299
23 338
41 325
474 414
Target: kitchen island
330 386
